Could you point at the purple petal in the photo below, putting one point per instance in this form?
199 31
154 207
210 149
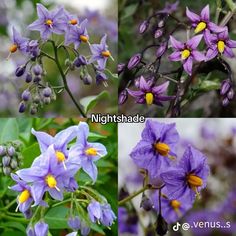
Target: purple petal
175 56
192 16
161 88
165 98
31 174
37 25
188 65
103 40
55 194
198 56
90 168
176 44
58 12
46 33
231 43
37 191
228 52
215 28
194 41
209 38
17 188
135 94
143 85
41 229
42 11
83 132
211 53
26 205
205 13
224 35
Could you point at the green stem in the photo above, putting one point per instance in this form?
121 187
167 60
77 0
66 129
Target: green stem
230 14
47 55
9 205
218 10
231 5
68 200
16 219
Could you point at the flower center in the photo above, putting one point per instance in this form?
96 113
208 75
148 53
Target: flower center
162 148
200 27
51 181
194 181
221 46
13 48
24 196
73 22
185 54
60 156
48 22
83 38
106 54
91 152
149 98
175 204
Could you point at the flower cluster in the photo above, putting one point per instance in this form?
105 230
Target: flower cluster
207 42
178 181
57 22
53 173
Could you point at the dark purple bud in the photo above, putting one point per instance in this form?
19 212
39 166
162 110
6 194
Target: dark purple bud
225 102
230 94
46 101
22 107
158 33
26 95
20 71
100 77
143 27
162 226
80 61
134 61
161 50
225 87
13 164
37 69
47 92
6 170
6 161
161 24
123 97
37 78
146 203
28 78
28 215
121 67
2 150
11 151
87 79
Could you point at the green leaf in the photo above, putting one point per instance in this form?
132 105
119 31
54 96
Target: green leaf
208 85
91 101
30 154
15 225
94 137
10 131
129 11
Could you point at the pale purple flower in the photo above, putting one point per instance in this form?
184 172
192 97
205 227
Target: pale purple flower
49 21
33 48
149 93
187 52
219 44
87 153
202 22
77 35
40 229
189 177
156 147
100 53
74 223
70 21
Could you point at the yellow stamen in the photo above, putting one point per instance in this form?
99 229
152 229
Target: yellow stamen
200 27
48 22
194 181
73 22
162 148
185 54
83 38
149 98
175 204
24 196
13 48
91 152
221 46
51 181
106 54
60 156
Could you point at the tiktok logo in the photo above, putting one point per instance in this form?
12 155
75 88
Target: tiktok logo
176 226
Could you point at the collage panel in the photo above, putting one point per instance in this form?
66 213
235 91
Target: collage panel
177 177
57 177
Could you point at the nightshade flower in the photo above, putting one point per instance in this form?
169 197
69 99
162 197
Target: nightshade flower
49 21
201 23
47 176
77 35
220 44
40 229
24 199
156 147
169 8
74 223
69 20
186 52
150 94
87 153
100 53
189 177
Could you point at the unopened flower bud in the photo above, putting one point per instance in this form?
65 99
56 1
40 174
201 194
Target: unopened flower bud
26 95
80 61
225 87
123 97
33 110
87 79
230 94
143 27
6 160
22 107
162 226
11 151
161 50
225 102
47 92
146 203
37 69
37 78
46 100
28 78
121 67
2 150
28 215
134 61
20 71
158 33
6 170
13 164
100 77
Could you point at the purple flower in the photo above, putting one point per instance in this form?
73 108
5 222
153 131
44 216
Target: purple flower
40 229
87 153
49 22
172 209
202 22
74 223
189 177
69 20
18 42
77 35
150 94
186 52
169 8
108 215
134 61
219 44
156 147
100 53
24 199
33 48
